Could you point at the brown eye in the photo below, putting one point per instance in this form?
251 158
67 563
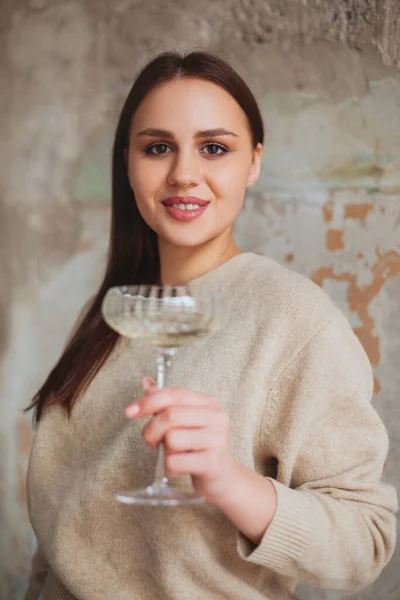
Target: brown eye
157 149
215 149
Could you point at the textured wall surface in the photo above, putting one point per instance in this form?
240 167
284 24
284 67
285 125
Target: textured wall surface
327 204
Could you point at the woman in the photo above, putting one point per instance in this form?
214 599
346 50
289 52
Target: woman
271 417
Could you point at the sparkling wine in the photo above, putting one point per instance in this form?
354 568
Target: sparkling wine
160 329
164 318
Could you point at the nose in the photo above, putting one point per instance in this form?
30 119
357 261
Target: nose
185 171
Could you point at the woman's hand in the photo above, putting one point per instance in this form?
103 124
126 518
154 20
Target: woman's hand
195 433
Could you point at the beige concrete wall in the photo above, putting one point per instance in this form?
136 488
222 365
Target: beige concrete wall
327 204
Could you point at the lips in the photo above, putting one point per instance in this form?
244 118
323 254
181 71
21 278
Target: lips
184 200
195 208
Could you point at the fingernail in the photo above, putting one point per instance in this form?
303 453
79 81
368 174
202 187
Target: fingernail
133 410
147 383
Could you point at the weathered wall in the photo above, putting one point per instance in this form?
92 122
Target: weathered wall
327 204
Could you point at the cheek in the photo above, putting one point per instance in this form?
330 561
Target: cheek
230 184
145 177
144 185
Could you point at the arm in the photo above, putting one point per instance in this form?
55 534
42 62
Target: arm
39 565
334 524
37 577
249 503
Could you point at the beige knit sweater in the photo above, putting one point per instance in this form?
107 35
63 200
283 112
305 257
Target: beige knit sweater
297 386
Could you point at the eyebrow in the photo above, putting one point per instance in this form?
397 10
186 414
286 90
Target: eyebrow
207 133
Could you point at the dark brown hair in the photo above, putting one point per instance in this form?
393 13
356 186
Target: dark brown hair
133 256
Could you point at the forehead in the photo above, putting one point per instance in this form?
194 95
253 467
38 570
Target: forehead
189 103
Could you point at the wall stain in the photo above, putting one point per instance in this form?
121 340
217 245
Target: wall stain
359 169
25 437
359 298
367 170
21 486
357 211
84 247
23 569
289 258
327 211
377 385
334 239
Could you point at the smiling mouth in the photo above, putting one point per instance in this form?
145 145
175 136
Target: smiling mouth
185 209
182 202
185 206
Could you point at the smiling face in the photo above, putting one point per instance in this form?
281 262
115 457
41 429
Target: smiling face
191 144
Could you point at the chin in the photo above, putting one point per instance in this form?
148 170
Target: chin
188 239
188 243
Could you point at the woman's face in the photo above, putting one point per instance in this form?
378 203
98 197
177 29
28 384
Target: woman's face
190 159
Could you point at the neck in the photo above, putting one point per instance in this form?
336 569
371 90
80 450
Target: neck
178 265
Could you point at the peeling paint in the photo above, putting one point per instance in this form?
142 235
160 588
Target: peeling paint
334 239
377 385
357 211
327 211
359 298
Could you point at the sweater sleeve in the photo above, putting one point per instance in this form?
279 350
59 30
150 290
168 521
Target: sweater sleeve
37 577
334 525
39 565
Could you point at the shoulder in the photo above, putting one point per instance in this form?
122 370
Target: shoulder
300 318
283 294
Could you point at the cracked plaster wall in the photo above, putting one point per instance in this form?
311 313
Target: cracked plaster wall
328 202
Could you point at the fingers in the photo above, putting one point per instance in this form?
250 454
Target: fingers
174 419
184 440
159 400
148 384
202 463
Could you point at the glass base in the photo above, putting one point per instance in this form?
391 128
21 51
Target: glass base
159 495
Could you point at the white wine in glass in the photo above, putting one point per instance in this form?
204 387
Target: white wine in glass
163 318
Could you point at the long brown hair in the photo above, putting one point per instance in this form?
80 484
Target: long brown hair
133 256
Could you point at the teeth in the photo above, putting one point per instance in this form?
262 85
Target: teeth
187 206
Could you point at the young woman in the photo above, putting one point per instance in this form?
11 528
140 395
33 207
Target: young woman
269 419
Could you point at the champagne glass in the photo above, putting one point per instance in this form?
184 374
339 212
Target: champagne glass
164 318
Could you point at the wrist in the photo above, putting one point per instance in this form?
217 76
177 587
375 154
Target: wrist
249 501
235 490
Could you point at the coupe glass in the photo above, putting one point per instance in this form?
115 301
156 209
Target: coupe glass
164 318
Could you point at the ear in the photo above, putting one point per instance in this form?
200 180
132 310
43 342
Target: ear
256 164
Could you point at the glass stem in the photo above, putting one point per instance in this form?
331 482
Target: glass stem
163 362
